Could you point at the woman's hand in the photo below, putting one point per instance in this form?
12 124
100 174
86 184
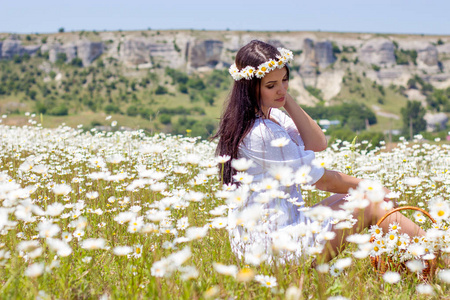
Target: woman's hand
311 133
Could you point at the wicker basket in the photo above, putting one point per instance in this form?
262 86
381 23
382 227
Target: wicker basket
384 263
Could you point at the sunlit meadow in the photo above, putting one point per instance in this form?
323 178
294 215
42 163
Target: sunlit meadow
125 215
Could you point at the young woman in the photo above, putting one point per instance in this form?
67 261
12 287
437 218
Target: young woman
253 127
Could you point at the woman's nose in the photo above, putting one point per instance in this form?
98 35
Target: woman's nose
282 90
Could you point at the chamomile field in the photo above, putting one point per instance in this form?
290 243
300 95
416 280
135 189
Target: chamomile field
125 215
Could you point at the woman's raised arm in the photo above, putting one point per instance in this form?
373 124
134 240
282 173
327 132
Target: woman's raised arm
311 133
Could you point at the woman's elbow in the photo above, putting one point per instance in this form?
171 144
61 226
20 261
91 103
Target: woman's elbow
322 183
317 147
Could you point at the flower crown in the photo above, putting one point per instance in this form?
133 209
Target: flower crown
248 72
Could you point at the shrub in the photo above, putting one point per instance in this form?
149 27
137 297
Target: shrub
160 90
336 49
182 88
315 92
60 110
112 109
177 76
40 108
146 113
77 62
196 83
198 110
32 94
132 111
165 119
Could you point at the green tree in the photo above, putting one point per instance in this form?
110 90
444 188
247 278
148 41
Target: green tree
160 90
77 62
413 118
61 58
132 111
165 119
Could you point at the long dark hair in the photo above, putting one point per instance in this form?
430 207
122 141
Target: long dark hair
243 104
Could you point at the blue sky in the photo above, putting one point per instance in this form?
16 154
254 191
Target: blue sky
381 16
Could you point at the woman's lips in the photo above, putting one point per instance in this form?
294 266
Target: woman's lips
279 99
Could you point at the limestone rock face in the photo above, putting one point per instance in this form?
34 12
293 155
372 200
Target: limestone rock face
378 51
444 48
140 51
11 47
308 64
135 51
55 49
428 55
89 51
436 121
324 54
309 54
319 54
275 43
206 53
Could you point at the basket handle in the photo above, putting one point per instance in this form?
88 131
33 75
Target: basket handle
404 208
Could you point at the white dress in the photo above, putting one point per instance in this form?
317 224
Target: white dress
281 215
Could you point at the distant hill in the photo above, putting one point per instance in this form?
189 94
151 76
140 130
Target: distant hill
171 80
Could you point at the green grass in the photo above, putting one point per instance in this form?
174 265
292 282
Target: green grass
392 100
68 156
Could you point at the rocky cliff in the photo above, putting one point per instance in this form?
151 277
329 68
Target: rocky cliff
321 58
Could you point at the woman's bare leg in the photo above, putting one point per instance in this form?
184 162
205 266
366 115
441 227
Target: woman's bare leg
366 217
331 200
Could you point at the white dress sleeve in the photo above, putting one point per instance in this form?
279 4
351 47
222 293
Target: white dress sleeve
257 147
288 124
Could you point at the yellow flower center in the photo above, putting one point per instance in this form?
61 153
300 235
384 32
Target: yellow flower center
441 213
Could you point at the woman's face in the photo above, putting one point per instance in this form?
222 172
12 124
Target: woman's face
273 90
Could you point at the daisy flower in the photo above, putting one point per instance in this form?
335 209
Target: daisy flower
376 231
230 270
271 64
34 270
425 289
444 275
415 265
248 72
334 271
267 281
394 227
280 142
122 250
241 164
222 159
245 275
391 277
